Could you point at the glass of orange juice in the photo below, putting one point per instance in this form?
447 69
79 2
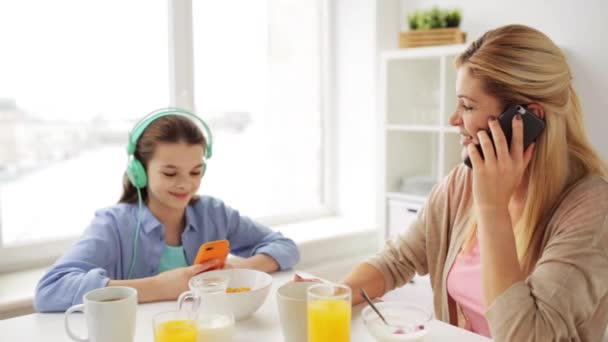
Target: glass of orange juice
329 311
175 326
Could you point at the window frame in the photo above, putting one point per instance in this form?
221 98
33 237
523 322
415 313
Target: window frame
181 87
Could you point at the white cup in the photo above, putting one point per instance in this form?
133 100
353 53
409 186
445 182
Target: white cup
291 299
109 313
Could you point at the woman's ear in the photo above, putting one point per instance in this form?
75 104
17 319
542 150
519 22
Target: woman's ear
537 109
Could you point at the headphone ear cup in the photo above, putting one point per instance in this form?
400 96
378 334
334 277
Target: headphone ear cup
137 174
204 168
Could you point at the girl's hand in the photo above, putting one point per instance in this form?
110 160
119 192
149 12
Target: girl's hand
171 284
496 177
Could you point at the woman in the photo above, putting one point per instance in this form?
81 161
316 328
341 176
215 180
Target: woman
516 247
151 247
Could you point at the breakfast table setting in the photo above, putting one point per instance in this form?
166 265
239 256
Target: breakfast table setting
260 307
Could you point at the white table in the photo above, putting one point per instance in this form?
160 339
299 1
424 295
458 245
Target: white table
262 326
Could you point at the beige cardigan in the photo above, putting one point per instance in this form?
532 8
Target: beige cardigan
566 296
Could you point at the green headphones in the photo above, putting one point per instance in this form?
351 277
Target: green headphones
135 169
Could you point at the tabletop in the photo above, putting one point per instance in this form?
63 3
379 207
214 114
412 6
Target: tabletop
262 326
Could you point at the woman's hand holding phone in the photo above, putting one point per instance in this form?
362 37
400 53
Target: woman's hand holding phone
497 174
533 127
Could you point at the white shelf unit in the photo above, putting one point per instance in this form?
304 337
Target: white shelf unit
418 147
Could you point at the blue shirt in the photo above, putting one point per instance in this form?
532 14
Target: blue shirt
105 249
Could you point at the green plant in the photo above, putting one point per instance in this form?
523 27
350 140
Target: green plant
453 18
434 18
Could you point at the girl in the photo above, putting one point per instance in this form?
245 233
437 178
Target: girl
516 246
151 247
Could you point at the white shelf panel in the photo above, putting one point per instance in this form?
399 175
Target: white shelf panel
412 95
424 52
413 128
450 100
411 159
405 197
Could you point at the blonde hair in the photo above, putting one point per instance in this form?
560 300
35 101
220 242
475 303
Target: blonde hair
519 65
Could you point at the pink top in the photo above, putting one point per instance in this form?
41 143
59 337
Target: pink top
464 286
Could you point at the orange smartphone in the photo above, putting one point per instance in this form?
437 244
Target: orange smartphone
218 249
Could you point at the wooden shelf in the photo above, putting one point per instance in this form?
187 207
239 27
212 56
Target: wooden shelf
432 37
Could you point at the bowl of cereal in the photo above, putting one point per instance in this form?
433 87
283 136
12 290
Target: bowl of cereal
406 322
247 289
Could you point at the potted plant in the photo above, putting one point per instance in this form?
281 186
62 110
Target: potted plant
433 27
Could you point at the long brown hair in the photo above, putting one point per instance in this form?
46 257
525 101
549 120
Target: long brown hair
166 129
518 65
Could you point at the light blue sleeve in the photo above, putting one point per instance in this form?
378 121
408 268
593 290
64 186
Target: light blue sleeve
87 265
248 238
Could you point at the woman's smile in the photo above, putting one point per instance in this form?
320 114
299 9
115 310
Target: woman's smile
465 139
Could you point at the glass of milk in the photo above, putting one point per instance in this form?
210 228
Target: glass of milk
215 320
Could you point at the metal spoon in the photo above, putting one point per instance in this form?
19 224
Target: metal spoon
369 301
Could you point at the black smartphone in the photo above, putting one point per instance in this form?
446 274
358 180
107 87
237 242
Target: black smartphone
533 127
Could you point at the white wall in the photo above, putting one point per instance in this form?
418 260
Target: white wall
580 27
354 88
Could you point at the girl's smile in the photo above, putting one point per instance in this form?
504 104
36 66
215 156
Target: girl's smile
180 196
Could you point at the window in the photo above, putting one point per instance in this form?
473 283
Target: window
257 67
76 75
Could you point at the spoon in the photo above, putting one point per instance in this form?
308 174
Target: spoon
369 301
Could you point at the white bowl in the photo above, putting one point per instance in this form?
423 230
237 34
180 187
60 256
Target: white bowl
244 304
406 322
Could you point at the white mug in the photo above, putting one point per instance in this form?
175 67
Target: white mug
109 313
291 299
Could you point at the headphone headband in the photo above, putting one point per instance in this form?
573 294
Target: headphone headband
142 124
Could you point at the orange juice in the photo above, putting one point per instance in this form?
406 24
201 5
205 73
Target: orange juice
175 331
329 320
